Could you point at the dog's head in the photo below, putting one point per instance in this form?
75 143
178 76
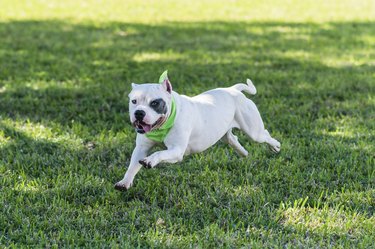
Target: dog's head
149 105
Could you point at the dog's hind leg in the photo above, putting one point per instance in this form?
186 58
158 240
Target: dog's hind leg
232 140
264 137
251 123
275 145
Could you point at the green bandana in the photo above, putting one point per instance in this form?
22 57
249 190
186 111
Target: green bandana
160 133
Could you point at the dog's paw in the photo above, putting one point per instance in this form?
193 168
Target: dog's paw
122 186
145 163
275 148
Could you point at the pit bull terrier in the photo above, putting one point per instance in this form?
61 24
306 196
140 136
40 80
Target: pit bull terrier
189 125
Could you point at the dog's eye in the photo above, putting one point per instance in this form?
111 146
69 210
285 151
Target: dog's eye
134 101
154 103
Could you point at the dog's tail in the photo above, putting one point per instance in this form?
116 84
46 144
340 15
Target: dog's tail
249 88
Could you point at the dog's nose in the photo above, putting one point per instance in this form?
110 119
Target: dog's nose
139 115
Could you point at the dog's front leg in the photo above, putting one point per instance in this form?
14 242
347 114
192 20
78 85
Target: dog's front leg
176 142
140 151
172 155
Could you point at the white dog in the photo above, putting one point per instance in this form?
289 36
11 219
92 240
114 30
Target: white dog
189 124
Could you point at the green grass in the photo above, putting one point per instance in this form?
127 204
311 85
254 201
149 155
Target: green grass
65 136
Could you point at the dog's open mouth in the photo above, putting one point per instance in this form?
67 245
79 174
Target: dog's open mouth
142 127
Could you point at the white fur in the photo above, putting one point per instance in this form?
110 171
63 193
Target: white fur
144 94
200 122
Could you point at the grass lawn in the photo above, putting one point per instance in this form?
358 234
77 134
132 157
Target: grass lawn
65 135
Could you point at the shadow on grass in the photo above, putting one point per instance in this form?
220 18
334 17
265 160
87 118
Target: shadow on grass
96 64
314 82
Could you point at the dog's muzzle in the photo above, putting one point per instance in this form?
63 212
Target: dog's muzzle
142 127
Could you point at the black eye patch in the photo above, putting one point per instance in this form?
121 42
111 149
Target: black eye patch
159 106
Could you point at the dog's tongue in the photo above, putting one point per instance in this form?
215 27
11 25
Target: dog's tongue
146 127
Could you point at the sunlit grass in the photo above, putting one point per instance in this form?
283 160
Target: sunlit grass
152 11
323 217
145 57
328 221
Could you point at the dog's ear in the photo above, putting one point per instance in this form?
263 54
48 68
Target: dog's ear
134 85
164 81
167 85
